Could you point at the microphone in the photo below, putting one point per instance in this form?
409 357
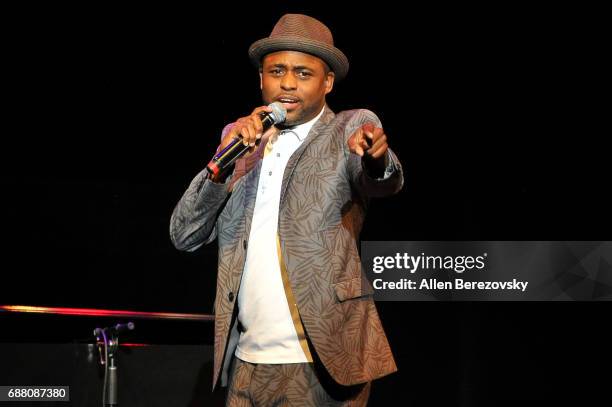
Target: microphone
237 149
115 329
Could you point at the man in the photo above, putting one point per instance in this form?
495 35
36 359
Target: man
305 330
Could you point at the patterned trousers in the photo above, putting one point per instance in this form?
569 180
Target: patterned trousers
294 384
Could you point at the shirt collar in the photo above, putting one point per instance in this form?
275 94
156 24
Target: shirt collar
302 130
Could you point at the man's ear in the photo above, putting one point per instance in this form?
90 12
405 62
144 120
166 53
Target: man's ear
329 82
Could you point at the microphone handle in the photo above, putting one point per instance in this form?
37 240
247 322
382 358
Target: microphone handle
227 156
235 149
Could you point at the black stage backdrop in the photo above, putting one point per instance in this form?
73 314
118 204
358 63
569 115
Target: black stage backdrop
495 113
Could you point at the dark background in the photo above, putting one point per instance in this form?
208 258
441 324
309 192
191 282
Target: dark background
495 112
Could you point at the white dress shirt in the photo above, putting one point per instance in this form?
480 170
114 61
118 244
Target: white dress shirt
268 333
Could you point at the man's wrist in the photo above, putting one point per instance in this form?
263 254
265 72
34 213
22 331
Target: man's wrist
375 167
219 178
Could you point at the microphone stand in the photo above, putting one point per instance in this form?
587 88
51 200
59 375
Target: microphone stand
107 340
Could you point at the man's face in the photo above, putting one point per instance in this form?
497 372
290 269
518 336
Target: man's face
297 80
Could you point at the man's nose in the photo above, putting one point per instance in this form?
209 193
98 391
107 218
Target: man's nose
288 82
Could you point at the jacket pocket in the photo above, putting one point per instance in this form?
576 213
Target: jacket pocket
353 288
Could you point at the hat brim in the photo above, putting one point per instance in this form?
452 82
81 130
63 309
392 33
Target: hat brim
337 61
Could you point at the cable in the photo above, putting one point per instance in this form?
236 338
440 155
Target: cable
105 369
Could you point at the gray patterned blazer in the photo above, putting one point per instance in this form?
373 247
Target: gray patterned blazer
324 197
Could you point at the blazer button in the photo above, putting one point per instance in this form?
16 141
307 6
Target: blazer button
230 296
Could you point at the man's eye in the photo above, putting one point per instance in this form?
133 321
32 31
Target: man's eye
304 74
276 71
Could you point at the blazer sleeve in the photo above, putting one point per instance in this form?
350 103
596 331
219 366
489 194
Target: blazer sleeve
369 186
193 221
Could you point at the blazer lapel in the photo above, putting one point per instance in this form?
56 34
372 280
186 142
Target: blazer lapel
250 194
249 168
314 132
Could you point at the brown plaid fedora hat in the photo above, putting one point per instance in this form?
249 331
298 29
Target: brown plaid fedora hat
298 32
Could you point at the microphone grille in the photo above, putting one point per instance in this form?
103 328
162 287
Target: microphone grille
279 113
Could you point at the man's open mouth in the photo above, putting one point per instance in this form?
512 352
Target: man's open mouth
289 102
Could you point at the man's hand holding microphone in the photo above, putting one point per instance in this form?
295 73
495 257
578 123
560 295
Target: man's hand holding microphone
241 139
